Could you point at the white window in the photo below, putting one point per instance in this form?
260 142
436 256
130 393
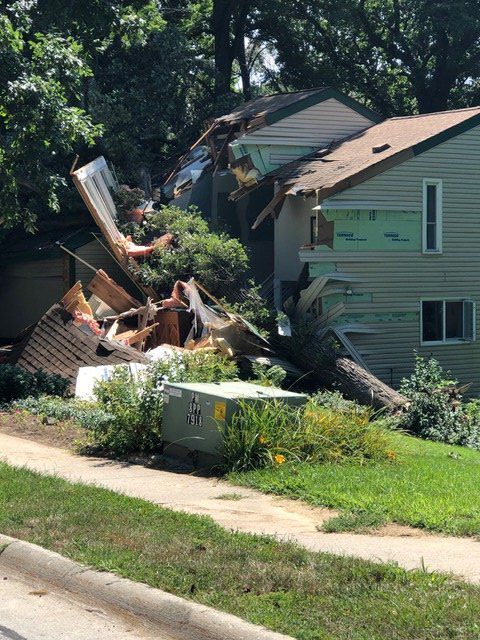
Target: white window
447 321
432 215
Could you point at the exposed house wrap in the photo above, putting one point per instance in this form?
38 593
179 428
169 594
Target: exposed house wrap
231 179
371 204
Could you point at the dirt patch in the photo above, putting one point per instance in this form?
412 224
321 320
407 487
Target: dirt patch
400 531
56 434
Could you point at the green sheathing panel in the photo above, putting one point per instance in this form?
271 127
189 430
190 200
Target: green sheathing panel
317 269
376 318
375 230
261 155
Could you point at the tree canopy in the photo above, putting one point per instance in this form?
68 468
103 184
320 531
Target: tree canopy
137 80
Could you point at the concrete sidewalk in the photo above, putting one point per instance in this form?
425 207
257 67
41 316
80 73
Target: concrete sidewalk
254 513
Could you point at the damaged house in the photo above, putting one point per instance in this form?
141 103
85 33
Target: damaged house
223 173
37 270
380 232
94 323
374 224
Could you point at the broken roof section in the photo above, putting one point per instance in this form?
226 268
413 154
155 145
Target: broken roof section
372 151
272 108
57 345
214 150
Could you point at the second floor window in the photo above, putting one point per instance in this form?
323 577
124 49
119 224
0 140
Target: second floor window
432 215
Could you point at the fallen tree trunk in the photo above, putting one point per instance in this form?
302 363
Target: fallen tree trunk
356 383
327 368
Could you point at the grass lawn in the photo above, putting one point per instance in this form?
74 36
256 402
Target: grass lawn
430 485
307 595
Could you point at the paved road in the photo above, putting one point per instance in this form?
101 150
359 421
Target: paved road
33 611
254 513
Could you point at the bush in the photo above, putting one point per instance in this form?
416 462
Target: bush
86 414
268 376
435 410
136 407
16 383
195 366
267 433
334 400
216 260
255 309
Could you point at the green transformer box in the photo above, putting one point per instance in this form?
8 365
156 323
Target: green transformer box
193 414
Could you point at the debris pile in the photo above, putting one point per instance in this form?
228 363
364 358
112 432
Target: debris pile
108 326
111 327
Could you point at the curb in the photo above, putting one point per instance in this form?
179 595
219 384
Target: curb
181 619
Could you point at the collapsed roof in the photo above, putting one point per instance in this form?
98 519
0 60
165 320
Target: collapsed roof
271 108
57 345
212 150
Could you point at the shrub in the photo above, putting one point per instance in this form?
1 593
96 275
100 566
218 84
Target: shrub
136 407
253 308
268 376
195 366
16 382
334 400
268 433
216 260
87 414
435 410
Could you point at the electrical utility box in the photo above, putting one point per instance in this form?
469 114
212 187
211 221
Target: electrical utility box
194 412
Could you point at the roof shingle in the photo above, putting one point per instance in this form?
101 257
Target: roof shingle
372 151
56 345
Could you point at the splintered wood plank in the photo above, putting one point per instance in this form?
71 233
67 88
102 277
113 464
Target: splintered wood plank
132 337
112 293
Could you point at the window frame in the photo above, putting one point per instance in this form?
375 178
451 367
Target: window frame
445 340
313 229
438 183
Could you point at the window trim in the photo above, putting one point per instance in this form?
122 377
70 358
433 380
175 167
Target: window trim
448 341
314 228
438 183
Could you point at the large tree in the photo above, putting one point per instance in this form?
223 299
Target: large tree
399 55
46 53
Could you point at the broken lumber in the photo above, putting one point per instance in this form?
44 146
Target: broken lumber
111 293
133 336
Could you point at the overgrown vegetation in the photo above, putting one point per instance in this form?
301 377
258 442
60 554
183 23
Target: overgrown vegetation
266 434
16 382
309 596
127 414
436 409
218 261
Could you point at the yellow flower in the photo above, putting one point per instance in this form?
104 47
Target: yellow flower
279 459
261 440
391 455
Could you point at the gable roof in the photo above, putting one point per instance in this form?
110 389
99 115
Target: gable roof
269 109
372 151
